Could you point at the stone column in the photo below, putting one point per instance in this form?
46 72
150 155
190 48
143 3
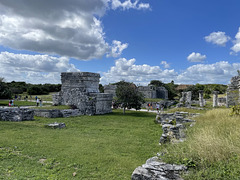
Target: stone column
227 104
239 90
188 102
215 98
201 103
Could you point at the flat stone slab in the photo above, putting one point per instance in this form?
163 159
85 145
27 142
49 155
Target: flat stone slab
56 125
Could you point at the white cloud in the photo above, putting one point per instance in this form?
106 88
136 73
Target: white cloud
165 64
236 46
117 48
219 73
33 68
196 57
218 38
140 74
128 4
67 28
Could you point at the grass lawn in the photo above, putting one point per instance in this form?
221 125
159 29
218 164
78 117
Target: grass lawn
91 147
20 103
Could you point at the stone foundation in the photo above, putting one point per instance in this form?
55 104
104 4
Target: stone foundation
16 114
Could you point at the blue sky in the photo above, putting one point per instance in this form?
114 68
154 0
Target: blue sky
134 40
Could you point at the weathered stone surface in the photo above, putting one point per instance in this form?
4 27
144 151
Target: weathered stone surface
201 102
81 90
233 91
215 98
57 113
186 99
172 126
16 114
148 91
155 169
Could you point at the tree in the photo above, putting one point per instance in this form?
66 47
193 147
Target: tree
129 96
156 83
5 92
101 88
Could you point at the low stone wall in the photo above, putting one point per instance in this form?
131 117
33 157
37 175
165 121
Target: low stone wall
173 131
56 113
155 169
16 114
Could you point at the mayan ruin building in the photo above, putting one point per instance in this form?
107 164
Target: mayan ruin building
148 91
81 90
233 97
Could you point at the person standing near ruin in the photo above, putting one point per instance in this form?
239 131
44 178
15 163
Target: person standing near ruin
148 106
40 102
157 106
37 101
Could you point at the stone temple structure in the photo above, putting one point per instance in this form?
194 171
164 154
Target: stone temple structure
154 92
148 91
80 89
233 97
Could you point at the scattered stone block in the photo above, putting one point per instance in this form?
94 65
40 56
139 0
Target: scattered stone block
56 125
154 168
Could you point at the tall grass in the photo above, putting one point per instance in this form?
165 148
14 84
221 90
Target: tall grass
212 147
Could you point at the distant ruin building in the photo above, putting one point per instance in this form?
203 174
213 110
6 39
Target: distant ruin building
233 91
80 89
148 91
154 92
110 89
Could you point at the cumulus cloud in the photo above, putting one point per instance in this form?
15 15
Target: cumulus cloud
165 64
218 38
117 48
236 46
140 74
196 57
33 68
67 28
219 72
128 4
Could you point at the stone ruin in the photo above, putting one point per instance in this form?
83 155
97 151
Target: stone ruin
80 90
150 91
16 114
173 125
186 99
153 92
233 90
173 131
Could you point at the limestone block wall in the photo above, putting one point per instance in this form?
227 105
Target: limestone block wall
56 113
81 89
85 81
233 97
16 114
110 89
162 93
103 103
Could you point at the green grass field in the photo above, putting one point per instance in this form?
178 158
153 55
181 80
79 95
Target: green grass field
21 103
91 147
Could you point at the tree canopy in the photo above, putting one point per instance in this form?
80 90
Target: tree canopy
129 96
